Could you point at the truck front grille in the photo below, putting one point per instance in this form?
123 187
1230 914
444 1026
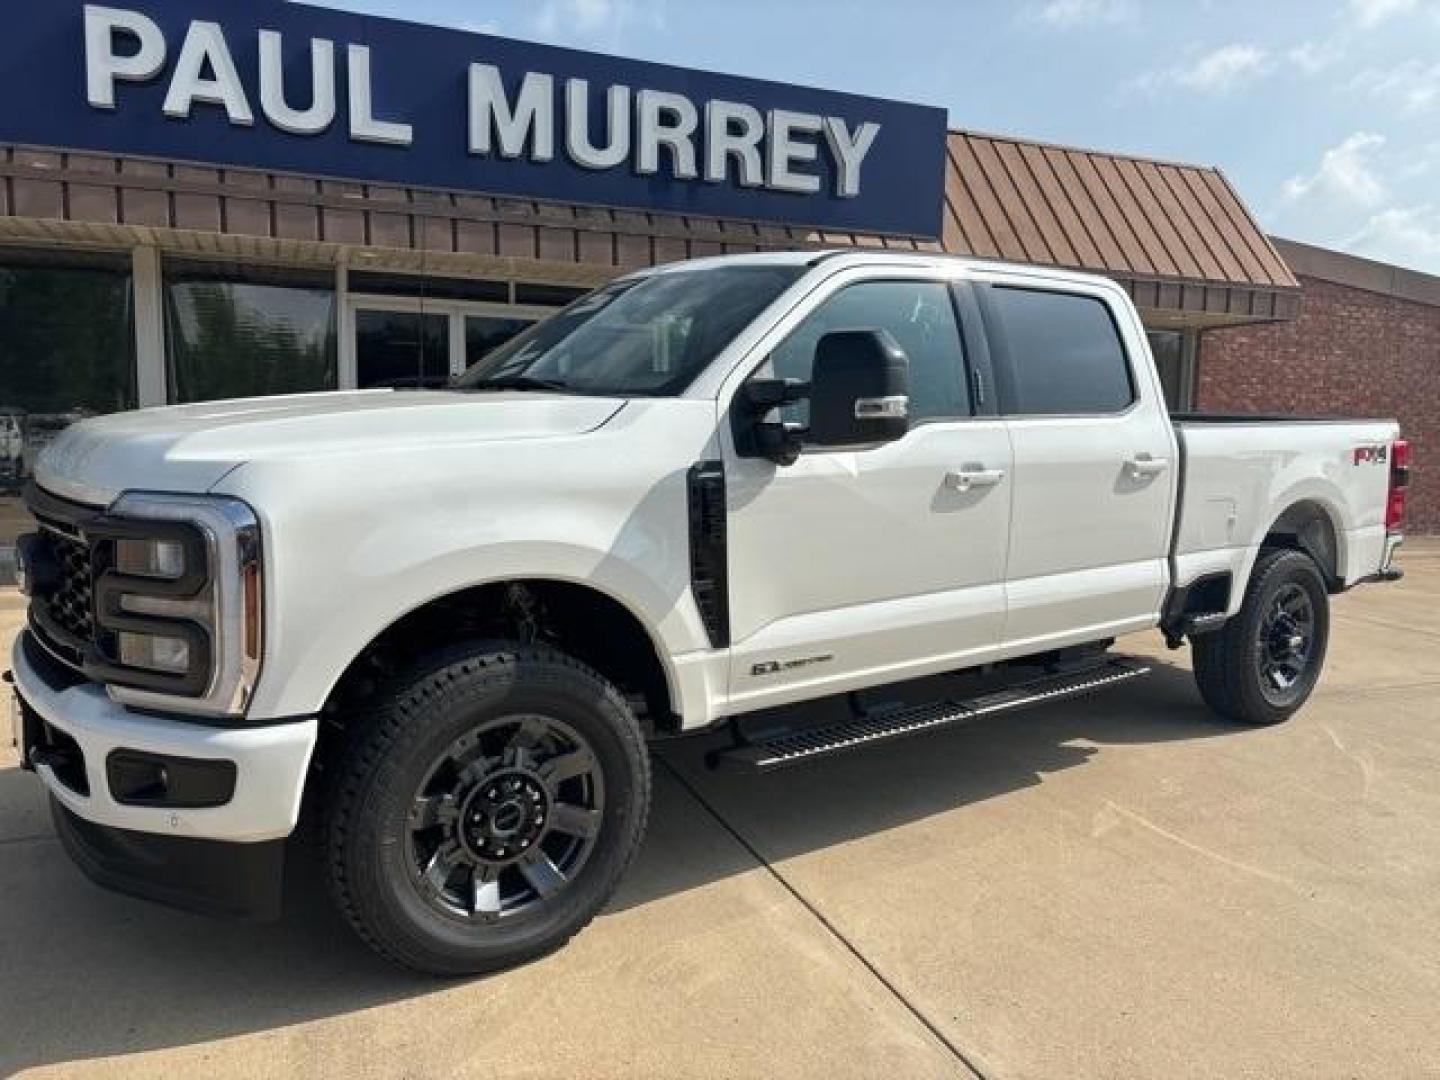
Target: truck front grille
63 614
71 604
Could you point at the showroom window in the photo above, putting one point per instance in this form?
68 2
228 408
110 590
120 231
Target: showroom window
236 331
1172 359
66 352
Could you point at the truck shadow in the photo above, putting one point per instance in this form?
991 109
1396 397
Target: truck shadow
816 806
87 974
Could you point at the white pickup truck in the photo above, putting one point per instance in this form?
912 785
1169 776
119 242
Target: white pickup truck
451 621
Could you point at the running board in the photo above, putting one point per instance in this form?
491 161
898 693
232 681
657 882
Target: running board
806 744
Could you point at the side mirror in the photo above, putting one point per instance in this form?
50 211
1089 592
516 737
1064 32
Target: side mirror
859 389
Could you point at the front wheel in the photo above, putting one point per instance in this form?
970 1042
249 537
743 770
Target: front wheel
1262 666
486 808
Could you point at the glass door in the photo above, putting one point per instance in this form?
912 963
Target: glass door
401 350
404 343
486 333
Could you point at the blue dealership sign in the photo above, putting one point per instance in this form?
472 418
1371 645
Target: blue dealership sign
289 87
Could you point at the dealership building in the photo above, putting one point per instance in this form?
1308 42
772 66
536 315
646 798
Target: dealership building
213 199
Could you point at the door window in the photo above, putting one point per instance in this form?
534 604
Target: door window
918 314
1066 357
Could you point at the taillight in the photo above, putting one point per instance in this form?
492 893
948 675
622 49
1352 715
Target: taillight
1399 481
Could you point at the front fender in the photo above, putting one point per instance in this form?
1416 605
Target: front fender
300 674
352 546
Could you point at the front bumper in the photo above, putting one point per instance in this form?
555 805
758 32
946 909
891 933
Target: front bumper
270 762
234 881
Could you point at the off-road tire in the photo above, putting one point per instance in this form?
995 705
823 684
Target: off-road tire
389 747
1225 660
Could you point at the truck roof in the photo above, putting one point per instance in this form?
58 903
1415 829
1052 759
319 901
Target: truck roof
841 258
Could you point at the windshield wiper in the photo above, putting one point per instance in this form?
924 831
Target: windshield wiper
519 382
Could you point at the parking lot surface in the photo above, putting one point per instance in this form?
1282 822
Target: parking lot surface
1120 886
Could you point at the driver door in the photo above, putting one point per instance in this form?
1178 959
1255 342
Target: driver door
853 568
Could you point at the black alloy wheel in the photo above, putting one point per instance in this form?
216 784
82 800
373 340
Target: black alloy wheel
485 807
505 818
1282 648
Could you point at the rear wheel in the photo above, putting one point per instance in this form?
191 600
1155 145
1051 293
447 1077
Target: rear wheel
486 809
1264 663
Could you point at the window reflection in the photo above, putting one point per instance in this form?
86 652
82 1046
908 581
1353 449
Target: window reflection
66 352
242 332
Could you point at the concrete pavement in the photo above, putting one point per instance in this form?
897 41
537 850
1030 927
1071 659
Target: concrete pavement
1122 886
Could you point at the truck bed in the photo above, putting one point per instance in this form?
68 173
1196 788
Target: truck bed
1240 474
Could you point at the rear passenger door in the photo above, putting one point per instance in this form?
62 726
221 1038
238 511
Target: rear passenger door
1094 463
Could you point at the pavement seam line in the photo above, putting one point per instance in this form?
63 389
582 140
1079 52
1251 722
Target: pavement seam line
26 839
1387 624
830 928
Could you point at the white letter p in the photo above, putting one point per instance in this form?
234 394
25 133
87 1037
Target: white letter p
103 66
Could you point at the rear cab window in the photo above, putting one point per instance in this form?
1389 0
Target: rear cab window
1064 351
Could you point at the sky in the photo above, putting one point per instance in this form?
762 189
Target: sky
1325 114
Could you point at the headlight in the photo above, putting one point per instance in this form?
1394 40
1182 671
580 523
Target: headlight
149 558
177 602
155 652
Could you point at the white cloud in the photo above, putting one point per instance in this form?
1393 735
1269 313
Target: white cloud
1408 235
1224 69
1369 197
1373 12
1313 57
1217 72
1346 174
585 21
1065 14
1413 85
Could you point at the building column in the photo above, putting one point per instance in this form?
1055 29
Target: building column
150 381
345 327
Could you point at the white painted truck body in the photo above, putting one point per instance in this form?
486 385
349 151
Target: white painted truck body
882 561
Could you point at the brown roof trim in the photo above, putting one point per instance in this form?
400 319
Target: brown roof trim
1071 148
1124 215
1358 272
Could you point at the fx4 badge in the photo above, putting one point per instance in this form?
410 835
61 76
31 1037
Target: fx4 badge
775 667
1377 454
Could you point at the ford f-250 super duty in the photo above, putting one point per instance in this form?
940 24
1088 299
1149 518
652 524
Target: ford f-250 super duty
450 621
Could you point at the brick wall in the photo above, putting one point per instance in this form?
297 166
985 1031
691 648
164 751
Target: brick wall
1351 352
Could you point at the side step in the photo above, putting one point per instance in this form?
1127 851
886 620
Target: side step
806 744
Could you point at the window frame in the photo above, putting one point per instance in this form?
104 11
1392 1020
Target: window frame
970 338
1005 361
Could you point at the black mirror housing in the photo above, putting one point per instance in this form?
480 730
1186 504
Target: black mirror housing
859 389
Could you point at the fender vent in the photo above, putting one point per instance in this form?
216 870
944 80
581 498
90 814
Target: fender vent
708 568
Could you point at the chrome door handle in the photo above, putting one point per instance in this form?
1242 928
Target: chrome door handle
965 479
1143 465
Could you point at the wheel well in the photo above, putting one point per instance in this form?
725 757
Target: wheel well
588 625
1308 527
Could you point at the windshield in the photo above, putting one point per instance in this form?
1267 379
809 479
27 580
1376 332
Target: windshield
651 336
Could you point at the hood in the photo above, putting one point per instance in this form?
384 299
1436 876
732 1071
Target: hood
190 447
